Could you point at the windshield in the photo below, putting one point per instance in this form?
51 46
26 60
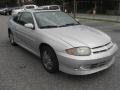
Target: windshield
54 19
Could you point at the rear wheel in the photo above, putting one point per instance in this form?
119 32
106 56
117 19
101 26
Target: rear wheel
49 59
11 39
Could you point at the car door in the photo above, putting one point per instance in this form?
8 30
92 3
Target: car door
15 27
26 35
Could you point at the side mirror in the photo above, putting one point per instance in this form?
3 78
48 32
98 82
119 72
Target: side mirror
29 25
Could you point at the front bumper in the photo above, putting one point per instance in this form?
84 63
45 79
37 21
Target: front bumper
83 65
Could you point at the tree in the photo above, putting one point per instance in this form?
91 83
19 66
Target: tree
48 2
7 3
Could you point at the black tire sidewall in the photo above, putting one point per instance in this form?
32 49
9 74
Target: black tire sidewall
53 58
12 43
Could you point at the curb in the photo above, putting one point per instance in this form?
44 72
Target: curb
98 19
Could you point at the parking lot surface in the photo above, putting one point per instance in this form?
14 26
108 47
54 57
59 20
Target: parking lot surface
21 70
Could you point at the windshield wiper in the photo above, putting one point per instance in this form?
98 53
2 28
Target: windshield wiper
49 26
69 24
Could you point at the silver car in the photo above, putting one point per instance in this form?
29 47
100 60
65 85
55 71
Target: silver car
50 7
61 42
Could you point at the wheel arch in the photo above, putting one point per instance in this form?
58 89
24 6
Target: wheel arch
45 44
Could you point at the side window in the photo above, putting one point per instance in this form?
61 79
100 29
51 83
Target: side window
54 7
25 18
16 18
45 8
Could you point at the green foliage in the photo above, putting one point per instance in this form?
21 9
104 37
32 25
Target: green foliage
4 3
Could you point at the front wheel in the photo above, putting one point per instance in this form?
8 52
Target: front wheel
49 60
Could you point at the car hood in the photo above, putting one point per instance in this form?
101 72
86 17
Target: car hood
80 35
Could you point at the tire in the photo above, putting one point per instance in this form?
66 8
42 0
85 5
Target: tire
5 13
49 59
11 39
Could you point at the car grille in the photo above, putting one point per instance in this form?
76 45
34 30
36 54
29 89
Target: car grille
97 65
92 66
102 48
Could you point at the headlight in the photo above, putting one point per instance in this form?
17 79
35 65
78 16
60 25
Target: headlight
79 51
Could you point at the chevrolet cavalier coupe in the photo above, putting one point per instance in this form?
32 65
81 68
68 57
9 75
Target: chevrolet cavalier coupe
61 42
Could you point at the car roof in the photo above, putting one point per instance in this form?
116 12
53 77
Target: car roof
30 5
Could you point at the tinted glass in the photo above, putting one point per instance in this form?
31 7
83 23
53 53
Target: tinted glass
54 18
45 8
16 18
26 18
29 7
54 7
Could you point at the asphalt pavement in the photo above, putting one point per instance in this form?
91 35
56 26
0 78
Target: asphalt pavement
21 70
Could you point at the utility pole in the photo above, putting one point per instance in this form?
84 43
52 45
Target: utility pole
18 2
74 8
6 3
63 4
118 11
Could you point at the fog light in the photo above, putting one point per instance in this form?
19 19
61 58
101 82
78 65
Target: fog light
77 67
